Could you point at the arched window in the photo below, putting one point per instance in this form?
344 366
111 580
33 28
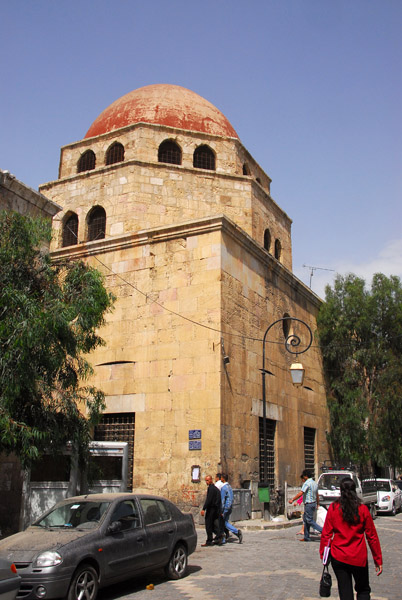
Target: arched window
286 325
169 152
70 231
278 250
258 180
204 158
96 224
86 162
246 169
267 240
115 153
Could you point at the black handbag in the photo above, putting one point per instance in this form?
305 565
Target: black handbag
325 583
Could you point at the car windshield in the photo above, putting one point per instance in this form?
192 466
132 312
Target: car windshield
383 486
79 515
331 481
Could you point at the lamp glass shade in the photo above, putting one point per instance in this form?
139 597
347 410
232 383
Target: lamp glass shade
297 374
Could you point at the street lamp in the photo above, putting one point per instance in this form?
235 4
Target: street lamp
292 343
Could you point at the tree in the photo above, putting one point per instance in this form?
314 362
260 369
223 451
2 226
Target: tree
360 333
49 316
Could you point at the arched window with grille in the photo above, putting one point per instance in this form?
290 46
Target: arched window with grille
278 249
86 162
169 152
246 170
96 224
115 153
267 240
70 231
204 158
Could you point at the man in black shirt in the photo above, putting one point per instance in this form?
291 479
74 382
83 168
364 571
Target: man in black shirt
212 510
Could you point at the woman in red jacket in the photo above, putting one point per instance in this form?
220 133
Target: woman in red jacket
346 524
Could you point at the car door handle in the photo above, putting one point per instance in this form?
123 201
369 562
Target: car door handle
140 539
171 531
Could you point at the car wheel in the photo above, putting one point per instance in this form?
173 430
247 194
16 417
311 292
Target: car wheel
84 584
177 565
393 511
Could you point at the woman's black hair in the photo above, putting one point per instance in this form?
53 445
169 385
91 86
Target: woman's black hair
349 501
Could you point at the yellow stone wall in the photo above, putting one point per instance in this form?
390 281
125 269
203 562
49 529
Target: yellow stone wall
256 292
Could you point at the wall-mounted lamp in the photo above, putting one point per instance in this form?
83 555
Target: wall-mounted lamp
297 374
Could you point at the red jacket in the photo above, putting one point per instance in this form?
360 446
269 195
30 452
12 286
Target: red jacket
348 544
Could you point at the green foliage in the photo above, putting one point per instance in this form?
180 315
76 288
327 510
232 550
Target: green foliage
360 333
49 316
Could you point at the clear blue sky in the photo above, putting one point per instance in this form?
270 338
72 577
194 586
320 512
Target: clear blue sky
313 88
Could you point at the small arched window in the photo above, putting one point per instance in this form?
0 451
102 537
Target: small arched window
115 153
258 180
70 231
86 162
246 169
169 152
96 224
286 325
204 158
267 240
278 250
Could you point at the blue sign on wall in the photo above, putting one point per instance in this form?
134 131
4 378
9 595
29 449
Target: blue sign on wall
194 434
194 445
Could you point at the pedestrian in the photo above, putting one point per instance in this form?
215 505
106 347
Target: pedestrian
218 481
212 511
309 491
227 505
222 529
347 524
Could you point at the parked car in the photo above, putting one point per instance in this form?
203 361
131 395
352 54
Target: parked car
329 487
87 542
389 496
9 580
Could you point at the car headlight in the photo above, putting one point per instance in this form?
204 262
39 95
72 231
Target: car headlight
386 498
48 559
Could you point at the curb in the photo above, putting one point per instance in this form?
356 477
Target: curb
260 525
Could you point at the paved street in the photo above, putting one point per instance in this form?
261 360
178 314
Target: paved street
270 565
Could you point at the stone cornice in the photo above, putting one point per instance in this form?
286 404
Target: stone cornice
189 228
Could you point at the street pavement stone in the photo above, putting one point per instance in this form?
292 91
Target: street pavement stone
271 564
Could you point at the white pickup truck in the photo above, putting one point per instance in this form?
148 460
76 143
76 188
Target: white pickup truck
329 488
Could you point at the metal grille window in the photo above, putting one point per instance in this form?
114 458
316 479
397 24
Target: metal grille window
169 152
278 249
119 427
86 162
309 449
70 231
115 154
96 224
267 240
204 158
270 475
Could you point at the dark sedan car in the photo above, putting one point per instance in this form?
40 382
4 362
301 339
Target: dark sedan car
87 542
9 580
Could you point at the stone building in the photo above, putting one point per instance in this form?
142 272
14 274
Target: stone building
164 199
16 196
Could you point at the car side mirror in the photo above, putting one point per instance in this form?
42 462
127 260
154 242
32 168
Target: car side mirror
114 527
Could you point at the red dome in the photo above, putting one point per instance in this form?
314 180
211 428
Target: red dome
163 104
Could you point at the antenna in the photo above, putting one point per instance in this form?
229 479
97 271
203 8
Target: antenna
312 269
